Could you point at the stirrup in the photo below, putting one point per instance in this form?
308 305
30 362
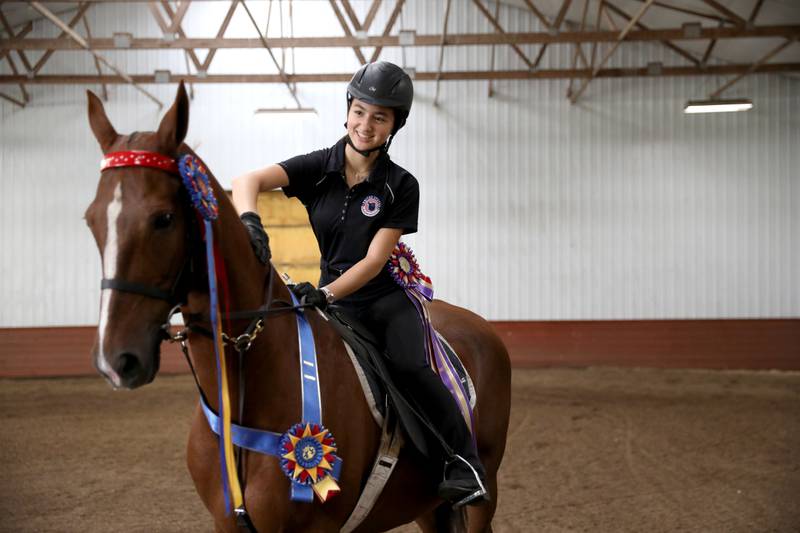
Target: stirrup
479 494
475 496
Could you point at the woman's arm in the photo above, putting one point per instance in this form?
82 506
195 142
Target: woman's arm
246 187
359 274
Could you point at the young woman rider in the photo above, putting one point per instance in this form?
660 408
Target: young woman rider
359 203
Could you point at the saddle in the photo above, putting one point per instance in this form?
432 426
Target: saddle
380 390
391 409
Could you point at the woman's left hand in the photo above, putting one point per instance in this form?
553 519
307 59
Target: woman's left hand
309 294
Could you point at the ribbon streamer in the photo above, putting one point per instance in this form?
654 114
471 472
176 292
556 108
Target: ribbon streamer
196 181
405 271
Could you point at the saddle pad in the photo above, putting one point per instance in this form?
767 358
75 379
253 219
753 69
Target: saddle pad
380 389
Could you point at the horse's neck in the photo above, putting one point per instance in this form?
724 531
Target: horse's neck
246 276
247 282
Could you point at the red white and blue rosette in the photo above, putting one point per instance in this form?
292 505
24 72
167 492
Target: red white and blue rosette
405 271
308 457
195 179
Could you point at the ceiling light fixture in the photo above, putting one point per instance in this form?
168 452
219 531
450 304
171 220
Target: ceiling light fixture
284 110
718 106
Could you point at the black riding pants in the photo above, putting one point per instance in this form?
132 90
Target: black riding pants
397 324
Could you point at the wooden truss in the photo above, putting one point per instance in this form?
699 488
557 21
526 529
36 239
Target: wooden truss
584 68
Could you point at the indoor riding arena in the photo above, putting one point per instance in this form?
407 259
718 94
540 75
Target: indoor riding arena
612 187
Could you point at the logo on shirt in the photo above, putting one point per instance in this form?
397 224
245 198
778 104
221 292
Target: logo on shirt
371 206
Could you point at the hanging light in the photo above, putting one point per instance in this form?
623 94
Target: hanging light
285 110
718 106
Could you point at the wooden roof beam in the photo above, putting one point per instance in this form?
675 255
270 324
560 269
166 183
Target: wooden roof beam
538 14
22 33
557 27
284 78
388 29
96 61
578 46
166 27
441 52
725 11
71 24
220 33
753 68
642 34
522 74
666 42
18 38
177 17
351 14
80 40
693 12
347 32
490 88
613 49
25 96
11 99
373 10
493 21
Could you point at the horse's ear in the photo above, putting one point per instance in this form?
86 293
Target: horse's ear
101 127
175 123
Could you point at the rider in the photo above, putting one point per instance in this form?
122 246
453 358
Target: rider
359 203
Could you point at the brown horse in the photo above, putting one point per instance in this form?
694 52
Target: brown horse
143 224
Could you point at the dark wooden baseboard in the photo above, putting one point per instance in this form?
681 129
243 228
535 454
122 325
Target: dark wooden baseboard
756 344
62 351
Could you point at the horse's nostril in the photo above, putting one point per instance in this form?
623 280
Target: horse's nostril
128 366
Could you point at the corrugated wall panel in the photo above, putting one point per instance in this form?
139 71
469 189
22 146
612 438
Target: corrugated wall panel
618 207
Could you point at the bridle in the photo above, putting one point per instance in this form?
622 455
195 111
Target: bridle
140 158
178 293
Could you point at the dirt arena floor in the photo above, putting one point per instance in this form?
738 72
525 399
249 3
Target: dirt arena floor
589 450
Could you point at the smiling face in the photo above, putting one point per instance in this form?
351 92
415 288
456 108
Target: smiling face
368 125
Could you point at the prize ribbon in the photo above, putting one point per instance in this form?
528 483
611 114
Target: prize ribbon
404 269
308 455
195 179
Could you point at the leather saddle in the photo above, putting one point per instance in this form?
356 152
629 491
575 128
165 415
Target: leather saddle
380 390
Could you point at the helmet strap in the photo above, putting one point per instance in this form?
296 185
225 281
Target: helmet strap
366 153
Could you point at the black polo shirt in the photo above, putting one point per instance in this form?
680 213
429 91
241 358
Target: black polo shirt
345 220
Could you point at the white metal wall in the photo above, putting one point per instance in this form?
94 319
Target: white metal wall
618 207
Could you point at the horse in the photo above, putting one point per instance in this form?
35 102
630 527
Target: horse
146 232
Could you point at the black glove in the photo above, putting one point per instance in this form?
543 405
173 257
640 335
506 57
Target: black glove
309 294
258 237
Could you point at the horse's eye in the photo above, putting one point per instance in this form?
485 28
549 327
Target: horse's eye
163 221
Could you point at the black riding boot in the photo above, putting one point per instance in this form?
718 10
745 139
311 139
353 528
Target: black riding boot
397 323
464 476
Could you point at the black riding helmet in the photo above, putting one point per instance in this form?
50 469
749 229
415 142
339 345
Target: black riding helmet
384 84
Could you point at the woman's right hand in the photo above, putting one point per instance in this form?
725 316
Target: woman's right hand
245 191
258 237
